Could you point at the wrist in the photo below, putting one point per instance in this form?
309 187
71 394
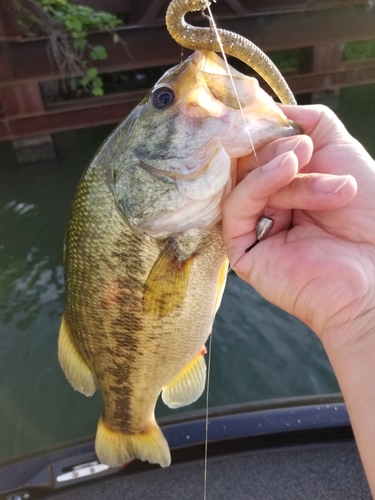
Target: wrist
351 350
347 337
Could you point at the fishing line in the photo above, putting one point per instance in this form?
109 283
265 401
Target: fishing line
264 226
214 27
261 231
265 223
207 419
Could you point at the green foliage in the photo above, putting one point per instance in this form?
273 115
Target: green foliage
359 50
92 79
79 20
98 52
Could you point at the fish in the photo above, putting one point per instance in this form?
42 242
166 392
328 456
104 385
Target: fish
145 262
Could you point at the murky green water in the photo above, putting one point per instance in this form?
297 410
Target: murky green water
259 352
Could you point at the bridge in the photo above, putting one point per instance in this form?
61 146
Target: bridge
317 28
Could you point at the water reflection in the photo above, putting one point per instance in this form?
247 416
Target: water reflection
28 284
34 206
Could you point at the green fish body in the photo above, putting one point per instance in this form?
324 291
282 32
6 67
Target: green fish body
145 263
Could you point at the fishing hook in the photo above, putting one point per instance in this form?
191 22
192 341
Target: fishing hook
209 20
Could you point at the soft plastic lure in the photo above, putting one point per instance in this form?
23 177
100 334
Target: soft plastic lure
195 38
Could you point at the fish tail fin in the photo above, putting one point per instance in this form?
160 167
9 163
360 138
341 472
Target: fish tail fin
114 448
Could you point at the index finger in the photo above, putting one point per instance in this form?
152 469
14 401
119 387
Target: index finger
300 144
317 121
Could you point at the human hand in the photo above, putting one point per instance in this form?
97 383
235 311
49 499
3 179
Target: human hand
318 263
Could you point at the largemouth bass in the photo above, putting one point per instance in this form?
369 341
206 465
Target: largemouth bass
145 263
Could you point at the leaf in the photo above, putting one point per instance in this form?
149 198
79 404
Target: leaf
92 73
97 86
84 81
98 52
73 24
80 44
97 92
90 76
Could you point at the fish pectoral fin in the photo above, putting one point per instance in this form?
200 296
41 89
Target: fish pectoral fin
166 285
75 368
188 385
115 448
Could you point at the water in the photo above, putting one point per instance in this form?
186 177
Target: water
259 352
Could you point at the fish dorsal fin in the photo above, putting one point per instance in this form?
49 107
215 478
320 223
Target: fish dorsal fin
167 283
75 368
188 385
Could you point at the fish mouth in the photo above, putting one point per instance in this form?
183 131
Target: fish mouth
188 168
231 96
174 174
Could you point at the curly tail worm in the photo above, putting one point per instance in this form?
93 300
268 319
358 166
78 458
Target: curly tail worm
195 38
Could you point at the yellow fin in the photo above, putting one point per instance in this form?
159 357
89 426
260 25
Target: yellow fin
188 385
76 370
114 448
166 285
223 274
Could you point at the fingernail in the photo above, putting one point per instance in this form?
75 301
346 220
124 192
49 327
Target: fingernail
278 161
330 184
289 144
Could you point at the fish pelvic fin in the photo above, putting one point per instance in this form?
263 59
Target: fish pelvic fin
115 448
75 368
188 385
166 285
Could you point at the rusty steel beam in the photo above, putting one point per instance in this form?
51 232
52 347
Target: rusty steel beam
48 123
9 29
236 6
71 115
263 7
112 6
113 109
127 6
21 99
349 75
146 12
132 97
30 60
150 11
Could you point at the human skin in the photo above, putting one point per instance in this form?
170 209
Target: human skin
318 262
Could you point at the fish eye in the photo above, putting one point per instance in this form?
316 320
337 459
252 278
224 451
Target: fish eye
162 97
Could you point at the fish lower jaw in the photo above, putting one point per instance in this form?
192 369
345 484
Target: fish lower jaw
201 206
201 214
